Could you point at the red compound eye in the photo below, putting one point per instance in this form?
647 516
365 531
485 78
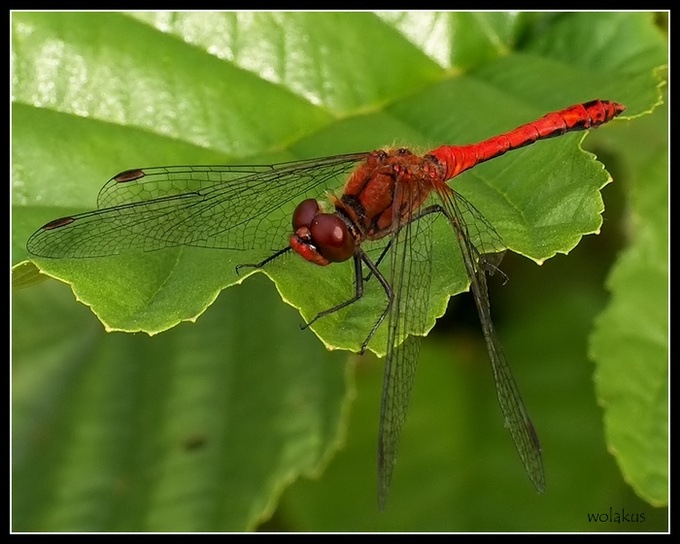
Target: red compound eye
305 212
331 237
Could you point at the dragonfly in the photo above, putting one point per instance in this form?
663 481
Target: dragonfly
391 200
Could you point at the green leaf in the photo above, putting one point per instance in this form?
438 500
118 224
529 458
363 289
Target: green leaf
199 429
457 470
541 200
26 274
96 93
630 342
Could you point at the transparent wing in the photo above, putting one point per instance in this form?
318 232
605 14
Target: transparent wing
512 406
225 207
410 277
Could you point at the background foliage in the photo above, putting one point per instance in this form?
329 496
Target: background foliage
203 427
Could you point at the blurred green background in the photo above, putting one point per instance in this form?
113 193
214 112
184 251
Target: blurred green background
241 421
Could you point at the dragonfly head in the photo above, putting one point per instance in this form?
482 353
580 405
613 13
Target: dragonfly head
321 238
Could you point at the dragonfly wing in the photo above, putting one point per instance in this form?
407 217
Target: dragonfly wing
143 184
166 207
515 413
512 406
400 368
410 276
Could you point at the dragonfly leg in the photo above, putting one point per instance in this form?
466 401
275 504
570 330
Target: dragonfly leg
379 259
373 269
358 293
263 263
360 257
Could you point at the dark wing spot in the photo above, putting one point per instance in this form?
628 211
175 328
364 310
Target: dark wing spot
129 175
61 222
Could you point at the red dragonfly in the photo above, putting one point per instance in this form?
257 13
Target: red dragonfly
391 201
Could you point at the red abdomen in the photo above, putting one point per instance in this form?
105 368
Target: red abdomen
578 117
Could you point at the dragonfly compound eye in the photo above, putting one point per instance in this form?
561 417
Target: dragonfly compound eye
305 212
332 238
